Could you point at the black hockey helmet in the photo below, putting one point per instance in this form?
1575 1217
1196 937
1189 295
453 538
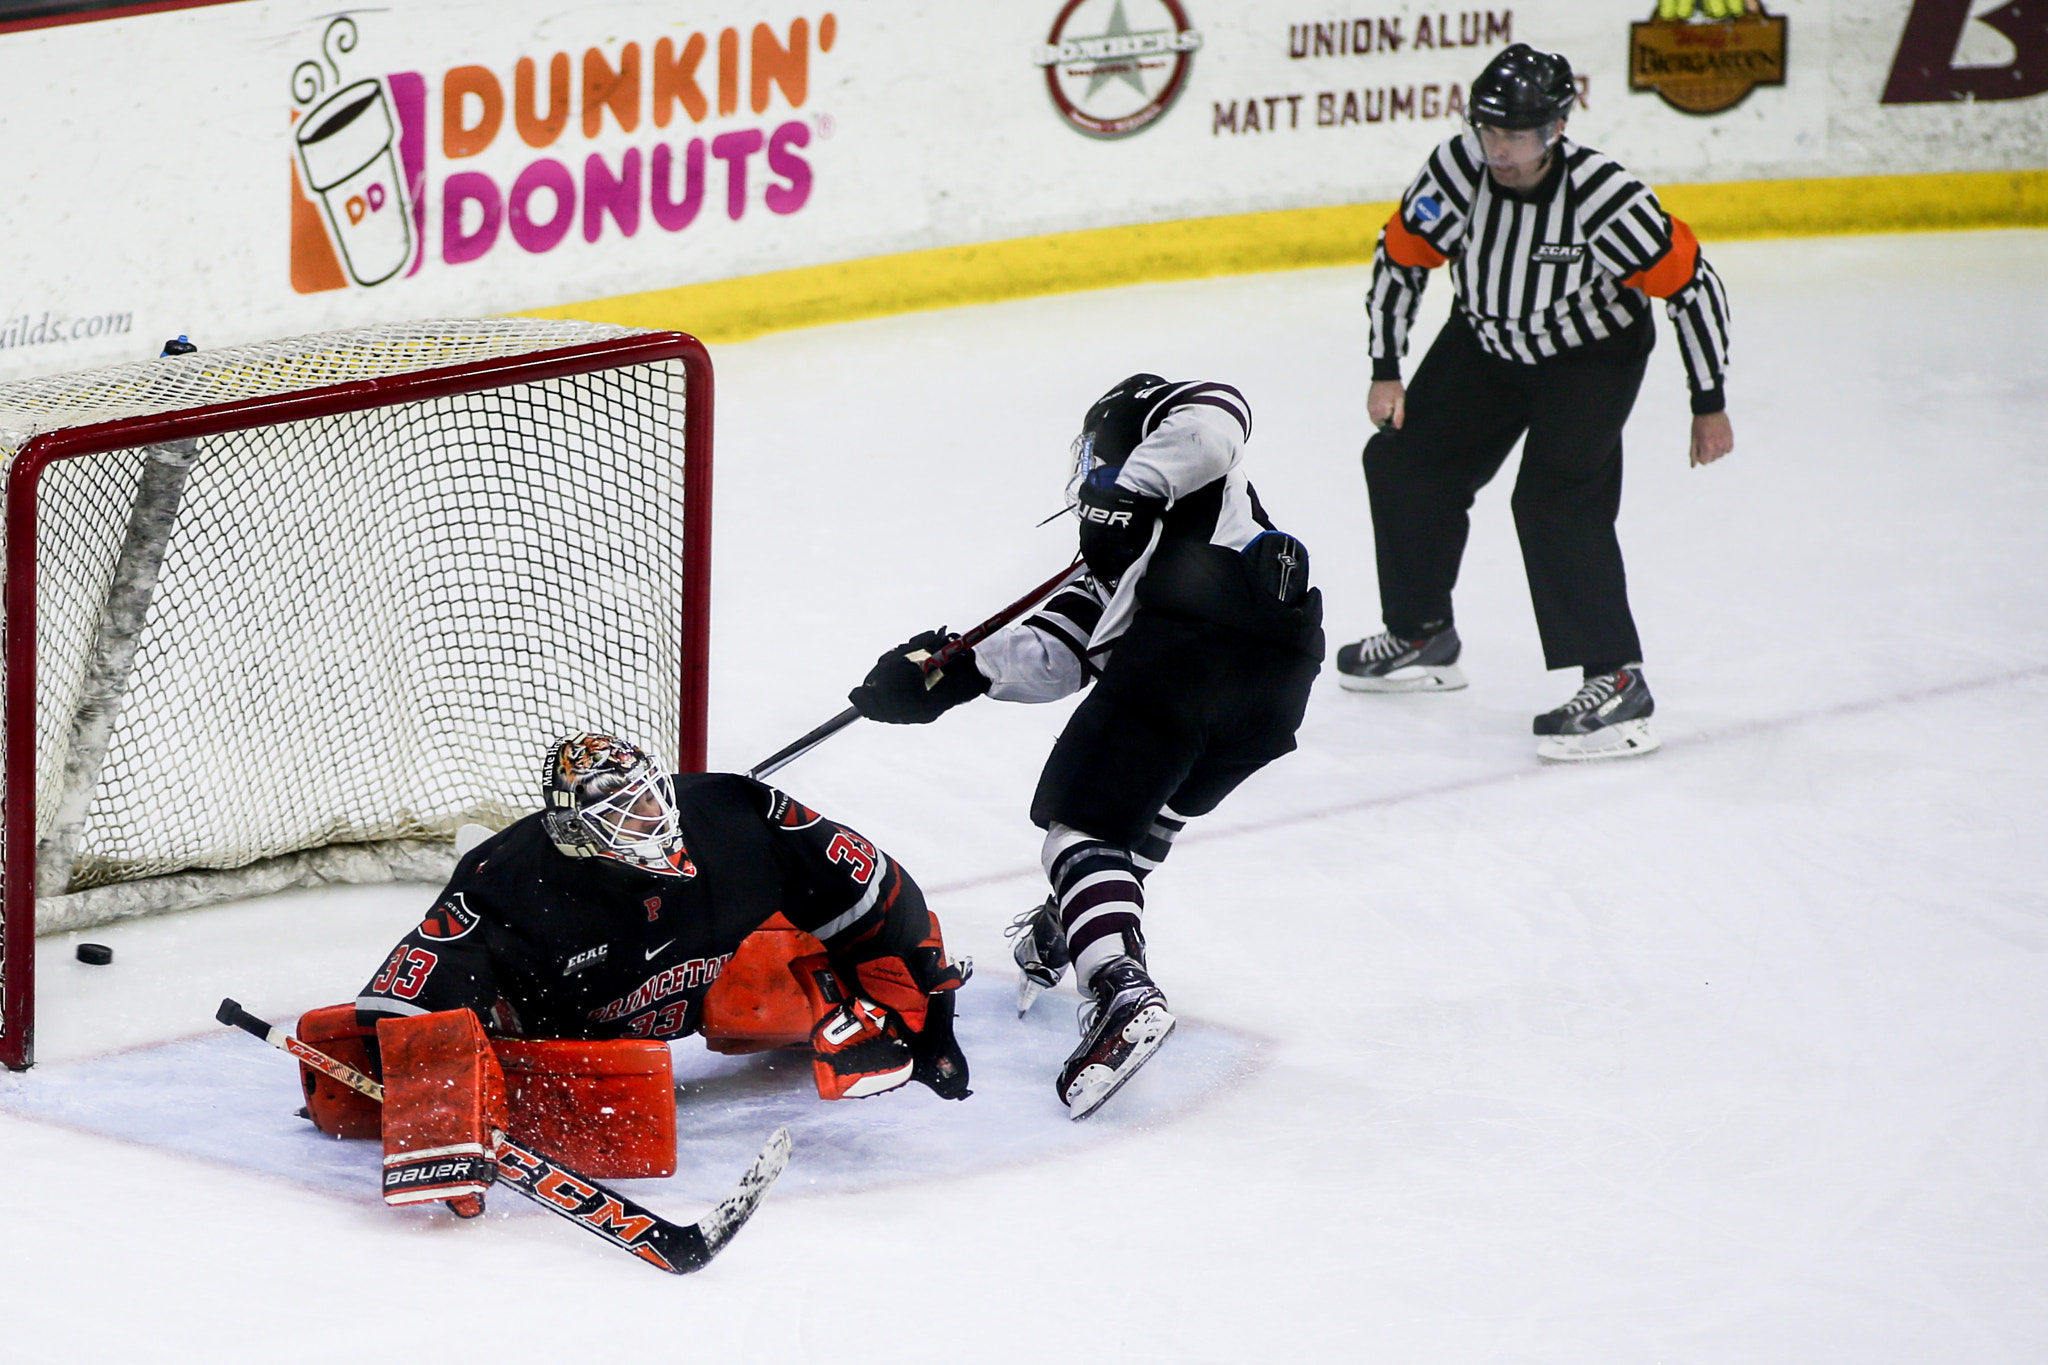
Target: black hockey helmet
1522 88
607 798
1110 431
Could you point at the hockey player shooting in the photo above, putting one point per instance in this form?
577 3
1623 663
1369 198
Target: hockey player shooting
1194 619
611 914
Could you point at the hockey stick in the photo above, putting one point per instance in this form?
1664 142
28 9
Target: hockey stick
678 1248
789 753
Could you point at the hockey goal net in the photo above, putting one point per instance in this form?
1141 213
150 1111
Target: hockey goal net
295 612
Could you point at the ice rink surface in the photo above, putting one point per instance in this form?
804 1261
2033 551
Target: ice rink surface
1738 1052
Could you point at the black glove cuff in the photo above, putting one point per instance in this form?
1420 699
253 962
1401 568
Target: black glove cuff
1116 525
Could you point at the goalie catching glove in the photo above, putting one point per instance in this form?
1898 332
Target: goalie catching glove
898 691
884 1022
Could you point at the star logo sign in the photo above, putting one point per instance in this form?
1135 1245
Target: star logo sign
1114 67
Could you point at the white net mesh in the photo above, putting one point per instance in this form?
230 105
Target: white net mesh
29 407
368 626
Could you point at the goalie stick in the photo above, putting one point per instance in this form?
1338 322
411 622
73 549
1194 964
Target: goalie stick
678 1248
953 649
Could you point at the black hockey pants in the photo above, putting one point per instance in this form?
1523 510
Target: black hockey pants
1465 411
1185 712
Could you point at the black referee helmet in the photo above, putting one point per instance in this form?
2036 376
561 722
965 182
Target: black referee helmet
1522 88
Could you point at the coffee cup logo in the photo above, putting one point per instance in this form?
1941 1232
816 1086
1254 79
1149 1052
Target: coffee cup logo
347 148
346 152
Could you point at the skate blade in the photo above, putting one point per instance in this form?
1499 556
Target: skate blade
1088 1091
1414 678
1028 992
1629 739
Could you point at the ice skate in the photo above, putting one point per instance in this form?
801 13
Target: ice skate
1387 663
1041 952
1120 1030
1609 717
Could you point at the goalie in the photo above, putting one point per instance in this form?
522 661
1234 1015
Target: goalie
1194 619
611 914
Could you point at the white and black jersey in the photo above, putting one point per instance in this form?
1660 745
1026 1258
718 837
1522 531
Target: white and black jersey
1191 455
1536 274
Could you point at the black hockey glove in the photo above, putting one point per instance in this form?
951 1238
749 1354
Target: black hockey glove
897 690
918 988
1116 524
937 1060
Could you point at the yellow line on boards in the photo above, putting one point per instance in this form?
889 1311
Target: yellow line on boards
1288 239
1862 203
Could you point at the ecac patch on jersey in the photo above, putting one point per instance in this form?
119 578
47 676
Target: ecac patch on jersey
452 918
589 957
1428 210
1558 253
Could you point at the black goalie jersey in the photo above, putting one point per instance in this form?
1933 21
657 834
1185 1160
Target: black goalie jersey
544 945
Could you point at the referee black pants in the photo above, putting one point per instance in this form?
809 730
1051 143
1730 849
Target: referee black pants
1465 411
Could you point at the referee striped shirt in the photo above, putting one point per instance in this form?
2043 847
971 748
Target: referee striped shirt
1574 260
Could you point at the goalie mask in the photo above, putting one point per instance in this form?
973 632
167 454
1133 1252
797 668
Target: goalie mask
609 799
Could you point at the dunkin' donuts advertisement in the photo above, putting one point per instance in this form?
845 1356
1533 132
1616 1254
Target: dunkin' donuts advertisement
268 167
542 150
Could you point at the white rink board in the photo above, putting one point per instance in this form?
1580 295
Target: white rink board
149 159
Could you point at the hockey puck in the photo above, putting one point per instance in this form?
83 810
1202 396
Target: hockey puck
98 954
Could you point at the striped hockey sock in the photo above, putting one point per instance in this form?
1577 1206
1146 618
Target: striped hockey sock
1158 840
1100 898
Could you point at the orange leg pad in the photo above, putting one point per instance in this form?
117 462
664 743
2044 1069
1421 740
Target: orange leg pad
607 1108
756 1004
335 1109
444 1093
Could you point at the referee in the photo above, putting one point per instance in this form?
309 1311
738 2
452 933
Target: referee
1555 252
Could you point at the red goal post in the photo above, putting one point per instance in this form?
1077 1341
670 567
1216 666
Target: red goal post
292 613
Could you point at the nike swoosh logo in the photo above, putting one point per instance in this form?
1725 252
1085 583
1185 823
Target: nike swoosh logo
652 951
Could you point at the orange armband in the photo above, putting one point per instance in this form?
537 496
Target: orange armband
1673 270
1408 248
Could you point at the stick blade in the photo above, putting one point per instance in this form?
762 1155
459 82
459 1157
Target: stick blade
723 1223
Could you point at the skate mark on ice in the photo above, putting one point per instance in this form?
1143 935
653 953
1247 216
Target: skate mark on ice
1737 733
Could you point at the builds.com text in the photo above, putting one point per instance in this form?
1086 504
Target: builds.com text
54 329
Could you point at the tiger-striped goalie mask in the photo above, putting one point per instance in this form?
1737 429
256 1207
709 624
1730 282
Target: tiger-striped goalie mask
610 799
